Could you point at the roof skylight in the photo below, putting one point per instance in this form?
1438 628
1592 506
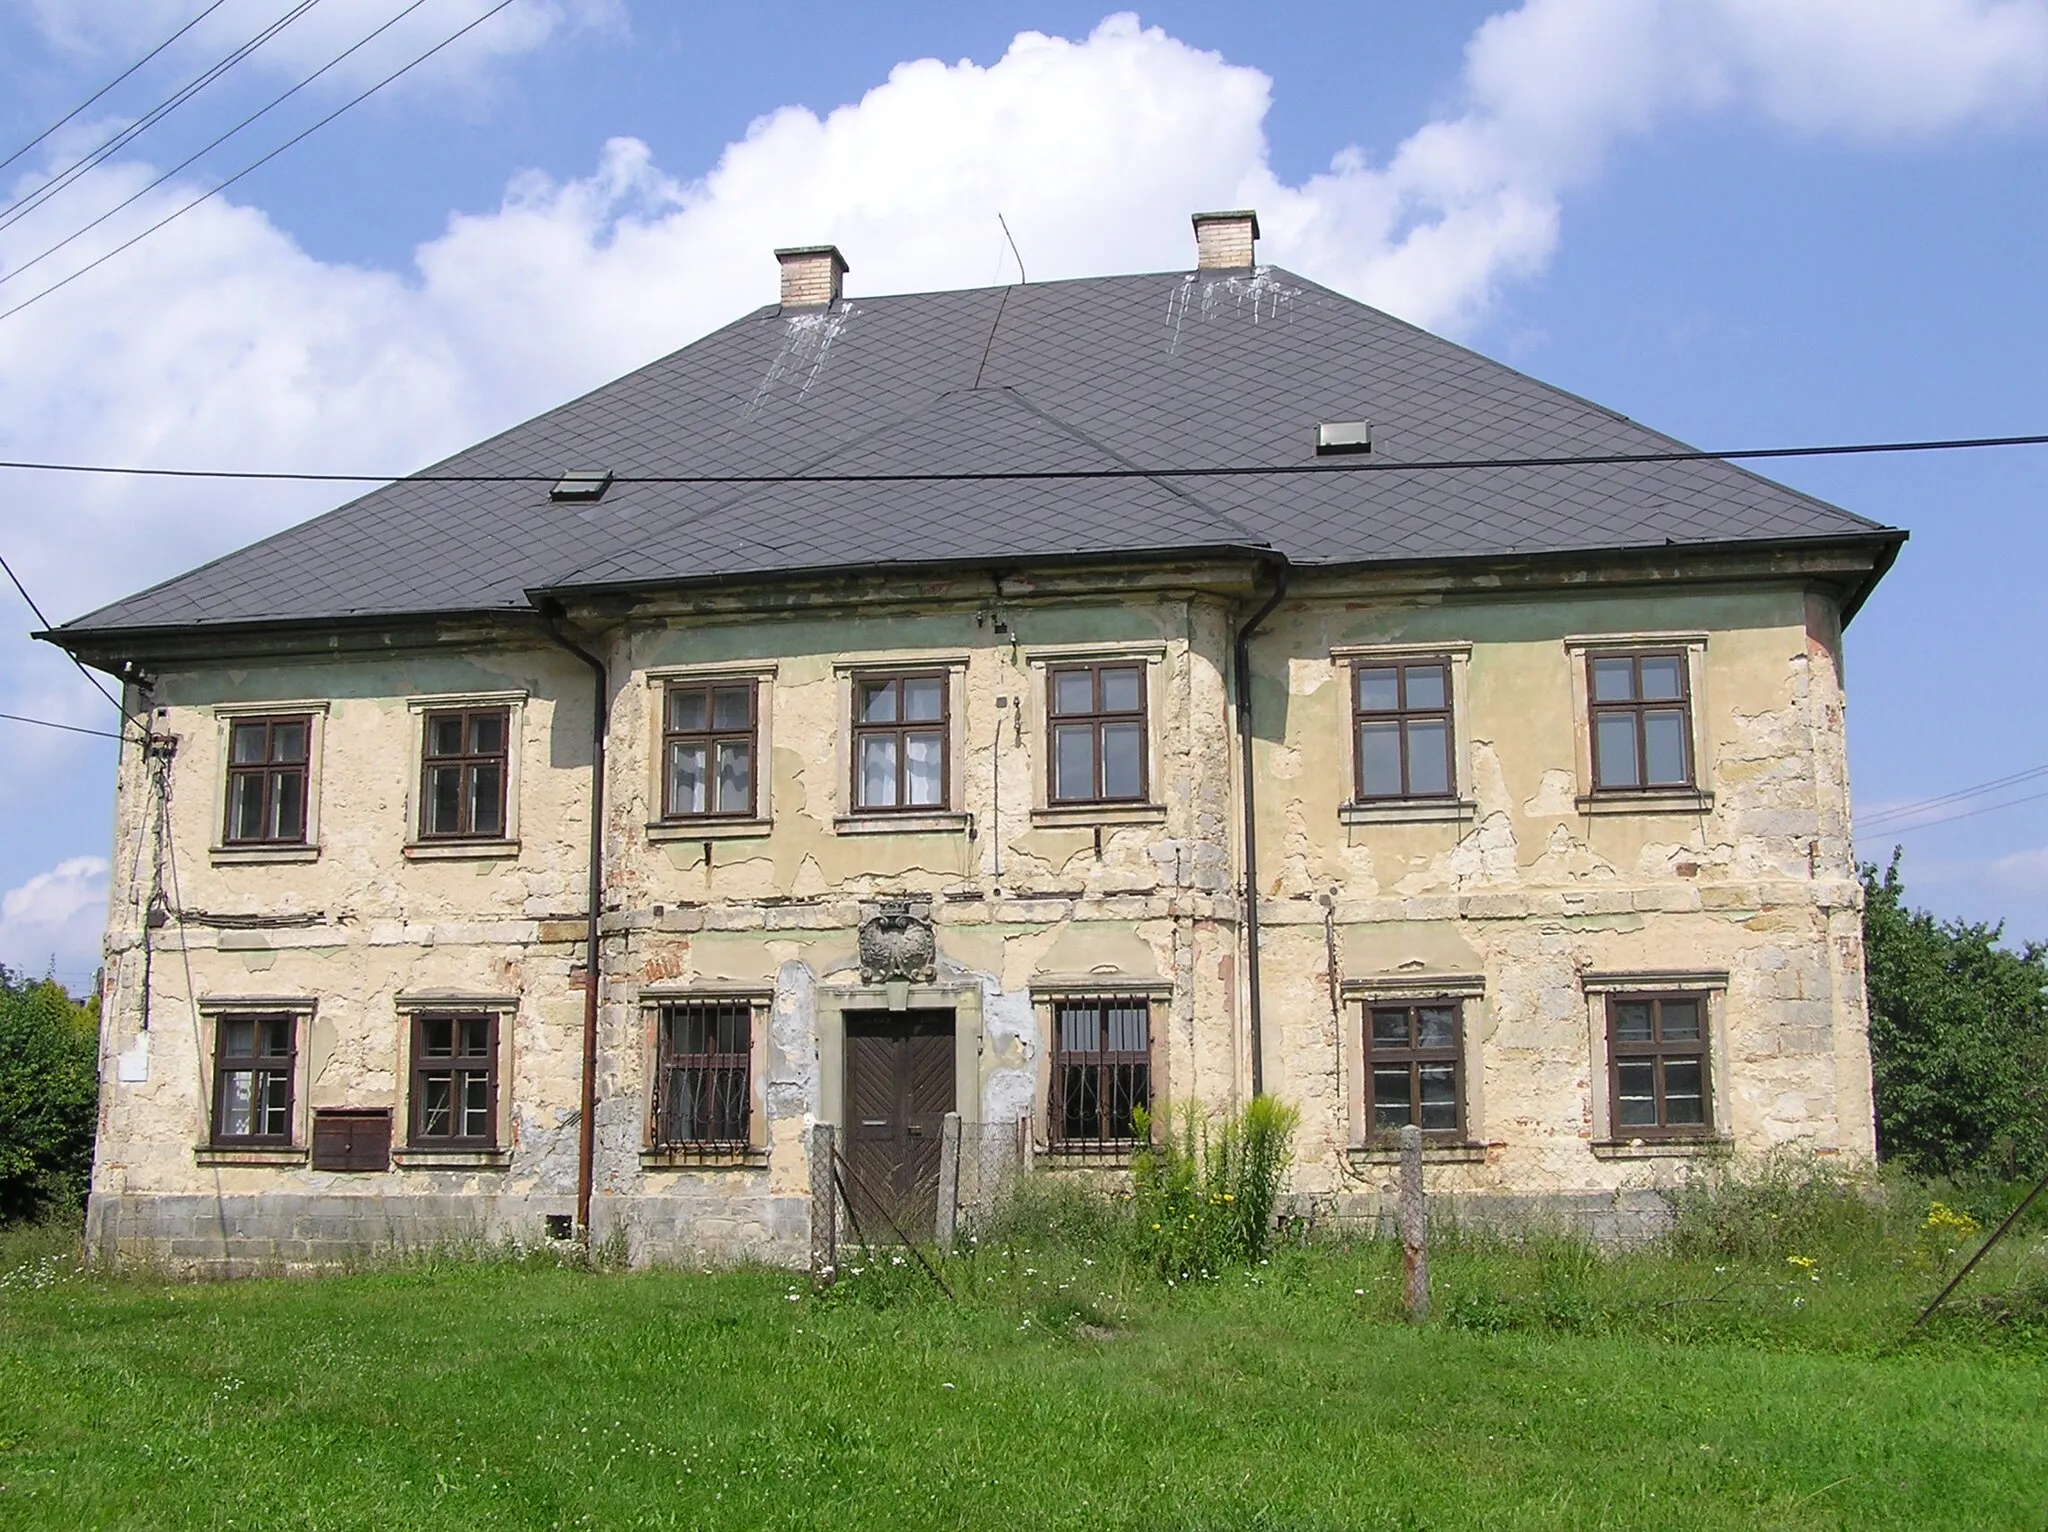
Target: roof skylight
582 484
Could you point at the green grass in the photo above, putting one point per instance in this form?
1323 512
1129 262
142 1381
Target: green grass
1555 1388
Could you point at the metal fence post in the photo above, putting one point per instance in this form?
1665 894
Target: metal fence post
824 1207
949 1181
1414 1226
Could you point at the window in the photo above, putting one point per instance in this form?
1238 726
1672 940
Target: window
1412 1070
254 1062
709 744
463 774
1641 721
703 1091
1101 1071
1401 717
268 760
1096 715
899 741
454 1082
1657 1064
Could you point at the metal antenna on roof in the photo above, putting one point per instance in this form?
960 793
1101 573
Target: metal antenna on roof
1013 245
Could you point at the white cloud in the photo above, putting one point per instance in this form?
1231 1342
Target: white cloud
2022 871
53 921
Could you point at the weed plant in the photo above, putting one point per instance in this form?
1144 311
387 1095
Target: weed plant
1205 1189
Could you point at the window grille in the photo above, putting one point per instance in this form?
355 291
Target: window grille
703 1096
1101 1071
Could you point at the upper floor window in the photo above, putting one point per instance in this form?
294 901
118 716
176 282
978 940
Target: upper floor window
1657 1064
454 1091
710 743
1401 712
1101 1070
703 1078
255 1064
464 768
268 763
900 728
1096 717
1413 1073
1641 720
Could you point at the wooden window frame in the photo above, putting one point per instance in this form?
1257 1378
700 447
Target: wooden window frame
458 1065
711 737
1700 1049
269 769
226 1065
1639 708
1098 718
1101 1061
467 759
1414 1056
942 726
1402 715
669 1010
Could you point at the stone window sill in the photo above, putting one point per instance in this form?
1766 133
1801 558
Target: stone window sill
1683 800
704 1159
948 822
1417 811
236 856
1677 1147
452 1159
663 830
460 850
1084 815
1434 1151
250 1154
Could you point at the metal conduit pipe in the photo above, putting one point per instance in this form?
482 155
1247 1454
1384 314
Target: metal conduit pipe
551 613
1241 664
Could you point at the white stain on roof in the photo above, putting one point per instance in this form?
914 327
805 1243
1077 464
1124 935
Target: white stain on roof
806 340
1262 297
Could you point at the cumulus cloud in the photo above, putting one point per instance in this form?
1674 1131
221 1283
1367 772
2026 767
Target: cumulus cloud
53 921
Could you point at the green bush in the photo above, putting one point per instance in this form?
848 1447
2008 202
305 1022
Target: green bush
49 1098
1770 1210
1204 1192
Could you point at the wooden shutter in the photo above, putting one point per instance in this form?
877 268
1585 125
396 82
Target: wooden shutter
352 1139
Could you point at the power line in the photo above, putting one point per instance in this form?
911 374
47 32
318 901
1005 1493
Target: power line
1254 470
258 163
1914 810
124 74
96 686
1926 824
37 260
50 723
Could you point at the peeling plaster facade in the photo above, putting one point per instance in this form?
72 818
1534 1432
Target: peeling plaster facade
1525 898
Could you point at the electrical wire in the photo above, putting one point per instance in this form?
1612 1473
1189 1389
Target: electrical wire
37 260
257 164
140 724
49 723
22 206
124 74
1246 471
1914 810
1927 824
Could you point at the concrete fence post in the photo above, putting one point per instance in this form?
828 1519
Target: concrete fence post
824 1207
949 1181
1414 1227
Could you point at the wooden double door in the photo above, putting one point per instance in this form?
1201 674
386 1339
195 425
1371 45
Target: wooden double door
899 1088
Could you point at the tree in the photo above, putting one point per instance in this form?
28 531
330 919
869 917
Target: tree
49 1097
1958 1038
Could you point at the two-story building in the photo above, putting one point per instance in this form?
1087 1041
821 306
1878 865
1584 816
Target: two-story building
1029 703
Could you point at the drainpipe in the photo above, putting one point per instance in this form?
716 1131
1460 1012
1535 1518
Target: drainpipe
1241 662
586 1137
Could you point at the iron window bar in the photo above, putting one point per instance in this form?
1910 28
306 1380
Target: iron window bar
1101 1073
703 1096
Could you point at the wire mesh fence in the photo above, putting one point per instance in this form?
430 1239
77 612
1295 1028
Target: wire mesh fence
858 1202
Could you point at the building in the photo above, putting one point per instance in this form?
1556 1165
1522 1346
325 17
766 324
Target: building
898 698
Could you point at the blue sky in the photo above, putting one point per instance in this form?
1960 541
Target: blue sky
1743 223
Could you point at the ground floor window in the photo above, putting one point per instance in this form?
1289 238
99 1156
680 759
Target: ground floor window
1657 1064
1101 1070
255 1061
1413 1070
454 1082
703 1090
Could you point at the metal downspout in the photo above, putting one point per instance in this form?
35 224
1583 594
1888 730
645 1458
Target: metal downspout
1241 662
586 1137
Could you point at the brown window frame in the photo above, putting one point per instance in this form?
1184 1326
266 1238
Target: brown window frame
1100 1064
1403 715
711 737
1413 1054
727 1074
227 1065
466 760
269 769
460 1068
1661 1051
1640 708
901 727
1099 718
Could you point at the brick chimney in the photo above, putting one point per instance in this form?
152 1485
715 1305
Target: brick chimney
811 276
1223 241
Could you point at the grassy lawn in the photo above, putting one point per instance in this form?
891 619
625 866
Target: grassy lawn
1554 1389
